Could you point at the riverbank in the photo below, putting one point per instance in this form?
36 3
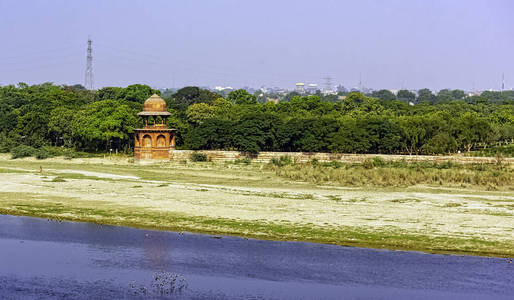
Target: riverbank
253 201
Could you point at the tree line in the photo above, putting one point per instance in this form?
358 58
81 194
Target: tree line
381 122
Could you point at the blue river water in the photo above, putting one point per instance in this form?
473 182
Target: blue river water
45 259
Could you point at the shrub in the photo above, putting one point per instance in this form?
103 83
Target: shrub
314 162
378 161
53 151
198 156
245 161
22 151
499 159
7 143
399 163
282 161
58 179
480 167
368 163
70 153
505 150
333 164
4 147
446 165
42 153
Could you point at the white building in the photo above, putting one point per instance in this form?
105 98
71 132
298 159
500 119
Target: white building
300 87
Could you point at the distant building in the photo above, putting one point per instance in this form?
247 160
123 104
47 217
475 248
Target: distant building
340 88
249 89
300 87
329 92
224 89
312 88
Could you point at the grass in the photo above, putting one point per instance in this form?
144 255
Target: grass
58 179
400 174
505 150
9 170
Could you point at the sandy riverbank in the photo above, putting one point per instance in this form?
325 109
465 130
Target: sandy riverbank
252 201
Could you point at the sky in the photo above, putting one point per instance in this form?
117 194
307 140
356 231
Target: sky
397 44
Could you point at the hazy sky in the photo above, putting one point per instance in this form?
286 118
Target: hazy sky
389 44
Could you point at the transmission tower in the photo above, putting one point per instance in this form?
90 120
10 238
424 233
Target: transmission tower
88 83
328 83
503 83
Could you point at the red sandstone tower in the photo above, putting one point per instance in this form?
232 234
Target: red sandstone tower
155 139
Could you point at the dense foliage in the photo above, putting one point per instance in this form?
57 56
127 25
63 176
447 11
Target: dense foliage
446 122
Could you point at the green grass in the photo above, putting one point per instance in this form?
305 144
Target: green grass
58 179
77 176
7 170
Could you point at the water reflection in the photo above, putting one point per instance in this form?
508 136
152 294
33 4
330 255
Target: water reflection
157 251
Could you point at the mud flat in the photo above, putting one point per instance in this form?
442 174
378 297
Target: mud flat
251 201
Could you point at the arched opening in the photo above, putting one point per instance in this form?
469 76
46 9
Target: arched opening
161 141
147 141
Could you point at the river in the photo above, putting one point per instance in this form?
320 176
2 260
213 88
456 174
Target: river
46 259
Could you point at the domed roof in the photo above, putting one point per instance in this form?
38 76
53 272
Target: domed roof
154 106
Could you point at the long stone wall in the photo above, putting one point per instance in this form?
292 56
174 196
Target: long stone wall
325 157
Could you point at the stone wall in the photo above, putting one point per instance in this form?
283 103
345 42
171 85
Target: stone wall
325 157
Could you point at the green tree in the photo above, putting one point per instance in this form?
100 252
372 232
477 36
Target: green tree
440 143
414 133
253 132
138 93
198 112
471 129
8 118
191 94
384 95
60 126
458 94
425 96
110 93
99 123
352 101
444 96
406 96
350 137
241 97
33 128
214 134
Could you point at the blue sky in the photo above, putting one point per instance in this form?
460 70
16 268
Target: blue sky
389 44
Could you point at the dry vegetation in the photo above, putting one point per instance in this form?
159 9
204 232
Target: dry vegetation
376 172
251 200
